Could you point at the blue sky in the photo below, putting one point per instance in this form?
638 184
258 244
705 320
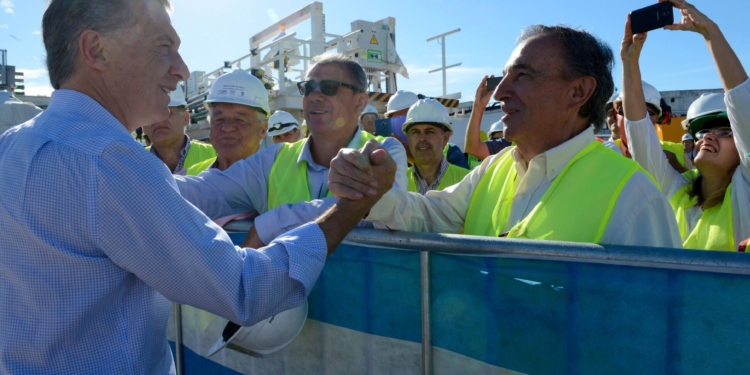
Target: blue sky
219 30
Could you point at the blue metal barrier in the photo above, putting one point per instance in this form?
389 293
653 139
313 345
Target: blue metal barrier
509 306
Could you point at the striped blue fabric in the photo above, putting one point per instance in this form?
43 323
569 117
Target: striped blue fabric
95 239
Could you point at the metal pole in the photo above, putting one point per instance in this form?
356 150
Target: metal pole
445 88
177 308
424 266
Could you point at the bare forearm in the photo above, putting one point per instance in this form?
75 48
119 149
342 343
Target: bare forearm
633 101
473 145
340 219
731 71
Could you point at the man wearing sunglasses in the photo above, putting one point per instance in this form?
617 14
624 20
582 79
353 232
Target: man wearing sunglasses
287 184
557 182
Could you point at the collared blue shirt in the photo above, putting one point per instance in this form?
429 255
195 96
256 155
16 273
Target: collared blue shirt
243 187
95 239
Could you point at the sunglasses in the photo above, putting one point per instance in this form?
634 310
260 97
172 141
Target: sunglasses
328 87
719 132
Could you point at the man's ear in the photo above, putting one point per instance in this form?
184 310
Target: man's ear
362 101
94 50
186 116
582 90
264 128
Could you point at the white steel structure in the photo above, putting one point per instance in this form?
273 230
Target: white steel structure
280 58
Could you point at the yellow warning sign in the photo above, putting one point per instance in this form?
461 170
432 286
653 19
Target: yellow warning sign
374 40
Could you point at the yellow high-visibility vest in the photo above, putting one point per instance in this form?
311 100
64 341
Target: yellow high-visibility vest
714 230
577 206
287 182
197 153
197 168
453 175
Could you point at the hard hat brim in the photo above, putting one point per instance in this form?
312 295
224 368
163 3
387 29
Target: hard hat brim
284 130
207 104
697 124
444 126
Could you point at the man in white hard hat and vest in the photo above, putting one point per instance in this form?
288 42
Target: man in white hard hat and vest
428 128
396 109
558 182
283 128
170 143
281 181
367 119
688 143
237 105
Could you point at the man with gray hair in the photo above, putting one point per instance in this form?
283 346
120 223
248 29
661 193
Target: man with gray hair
94 232
558 182
288 183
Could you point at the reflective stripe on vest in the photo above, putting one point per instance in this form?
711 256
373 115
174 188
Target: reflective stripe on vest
197 153
453 175
714 230
199 167
577 206
287 182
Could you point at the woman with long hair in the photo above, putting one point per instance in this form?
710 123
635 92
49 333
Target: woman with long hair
712 205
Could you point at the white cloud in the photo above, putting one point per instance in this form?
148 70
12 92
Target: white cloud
8 6
33 73
37 89
4 26
37 32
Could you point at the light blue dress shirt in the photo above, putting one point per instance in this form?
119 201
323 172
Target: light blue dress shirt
243 187
95 238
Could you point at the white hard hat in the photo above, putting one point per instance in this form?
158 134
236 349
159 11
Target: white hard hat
687 137
265 337
496 127
652 95
615 97
369 109
239 87
706 104
427 111
401 100
177 98
281 122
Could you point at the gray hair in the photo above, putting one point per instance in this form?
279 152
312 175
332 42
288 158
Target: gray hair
353 69
584 55
65 20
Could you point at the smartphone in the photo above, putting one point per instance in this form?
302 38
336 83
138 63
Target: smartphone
383 127
493 82
651 17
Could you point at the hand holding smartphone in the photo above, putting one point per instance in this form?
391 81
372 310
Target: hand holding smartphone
492 83
651 17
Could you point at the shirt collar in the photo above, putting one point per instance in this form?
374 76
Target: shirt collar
84 106
306 155
557 157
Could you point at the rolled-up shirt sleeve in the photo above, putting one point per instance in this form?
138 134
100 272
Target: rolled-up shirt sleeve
738 111
644 146
289 216
173 247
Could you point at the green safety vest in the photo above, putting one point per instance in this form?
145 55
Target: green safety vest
577 206
197 153
714 230
474 162
197 168
453 175
287 182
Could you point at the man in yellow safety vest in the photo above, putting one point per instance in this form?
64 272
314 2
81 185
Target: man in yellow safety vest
279 182
169 141
558 182
428 129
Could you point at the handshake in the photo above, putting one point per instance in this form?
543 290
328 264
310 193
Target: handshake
362 175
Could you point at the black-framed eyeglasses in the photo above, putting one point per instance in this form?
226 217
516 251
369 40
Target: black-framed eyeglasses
718 132
328 87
